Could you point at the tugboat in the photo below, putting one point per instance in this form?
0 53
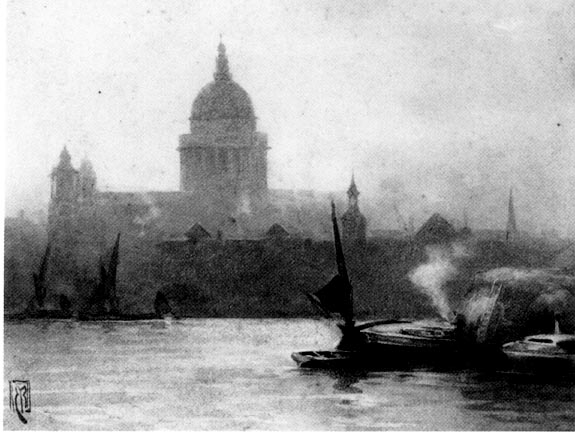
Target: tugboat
375 344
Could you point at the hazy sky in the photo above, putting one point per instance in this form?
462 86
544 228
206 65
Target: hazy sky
435 105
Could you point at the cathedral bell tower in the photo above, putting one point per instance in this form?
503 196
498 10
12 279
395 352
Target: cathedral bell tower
65 190
87 181
224 157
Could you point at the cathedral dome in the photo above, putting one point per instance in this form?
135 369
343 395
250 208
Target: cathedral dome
223 98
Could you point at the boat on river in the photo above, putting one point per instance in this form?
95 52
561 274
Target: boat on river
328 359
543 353
39 306
104 304
380 343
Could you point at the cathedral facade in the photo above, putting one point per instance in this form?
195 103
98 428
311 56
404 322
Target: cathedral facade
223 184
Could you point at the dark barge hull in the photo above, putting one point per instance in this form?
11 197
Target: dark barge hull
329 359
118 317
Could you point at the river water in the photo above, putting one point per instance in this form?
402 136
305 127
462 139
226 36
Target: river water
234 374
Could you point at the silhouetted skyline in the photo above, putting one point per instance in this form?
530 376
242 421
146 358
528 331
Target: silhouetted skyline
434 106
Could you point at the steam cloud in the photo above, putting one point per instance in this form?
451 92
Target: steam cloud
153 213
552 292
431 276
476 306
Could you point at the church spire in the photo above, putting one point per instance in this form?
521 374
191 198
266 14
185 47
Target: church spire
352 192
511 222
222 66
353 222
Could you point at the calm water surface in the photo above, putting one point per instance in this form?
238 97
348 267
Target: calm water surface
237 374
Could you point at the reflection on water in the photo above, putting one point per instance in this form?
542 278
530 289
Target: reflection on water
237 374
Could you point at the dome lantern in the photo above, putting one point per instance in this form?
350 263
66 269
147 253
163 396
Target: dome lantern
222 65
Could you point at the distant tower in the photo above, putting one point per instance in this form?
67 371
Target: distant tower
63 214
511 231
353 222
87 185
223 156
64 193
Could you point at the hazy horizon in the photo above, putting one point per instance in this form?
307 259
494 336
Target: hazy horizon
436 107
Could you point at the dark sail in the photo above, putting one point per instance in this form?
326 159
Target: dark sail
102 288
336 298
346 288
111 276
104 299
40 279
340 259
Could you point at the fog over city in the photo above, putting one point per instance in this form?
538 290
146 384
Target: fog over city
435 106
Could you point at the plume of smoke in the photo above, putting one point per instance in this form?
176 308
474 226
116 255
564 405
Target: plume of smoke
551 294
244 205
152 213
431 276
476 306
511 274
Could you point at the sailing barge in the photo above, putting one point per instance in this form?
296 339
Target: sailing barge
395 342
38 306
380 343
103 304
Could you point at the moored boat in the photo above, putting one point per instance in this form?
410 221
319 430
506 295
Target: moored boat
328 359
544 353
416 338
104 303
380 343
39 307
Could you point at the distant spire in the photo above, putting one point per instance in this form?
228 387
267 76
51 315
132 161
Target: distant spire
65 163
222 65
65 158
352 191
511 222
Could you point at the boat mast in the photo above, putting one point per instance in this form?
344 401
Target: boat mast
342 269
111 275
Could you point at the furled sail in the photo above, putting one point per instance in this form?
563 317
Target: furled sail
336 298
489 320
104 297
